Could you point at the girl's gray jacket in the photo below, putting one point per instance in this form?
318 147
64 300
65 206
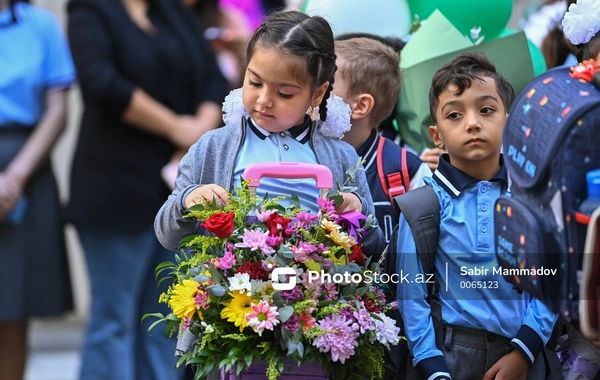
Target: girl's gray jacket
211 160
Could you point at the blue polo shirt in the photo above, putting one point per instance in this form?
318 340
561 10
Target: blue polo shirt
293 145
466 255
34 58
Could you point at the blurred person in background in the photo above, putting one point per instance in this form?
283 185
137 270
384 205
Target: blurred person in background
36 72
151 87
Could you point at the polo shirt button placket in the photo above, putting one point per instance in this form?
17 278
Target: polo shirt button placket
286 147
282 134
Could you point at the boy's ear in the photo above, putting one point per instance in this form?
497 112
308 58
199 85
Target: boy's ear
362 105
435 136
319 94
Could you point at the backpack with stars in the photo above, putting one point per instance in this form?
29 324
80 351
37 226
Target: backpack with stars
551 140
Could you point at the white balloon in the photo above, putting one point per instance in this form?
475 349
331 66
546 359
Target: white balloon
386 18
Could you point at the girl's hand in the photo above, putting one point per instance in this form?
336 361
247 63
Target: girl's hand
432 157
351 203
9 195
205 194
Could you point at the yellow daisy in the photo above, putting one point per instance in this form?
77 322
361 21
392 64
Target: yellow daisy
342 239
236 308
182 300
329 225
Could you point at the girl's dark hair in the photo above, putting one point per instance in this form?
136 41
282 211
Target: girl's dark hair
589 49
307 38
461 72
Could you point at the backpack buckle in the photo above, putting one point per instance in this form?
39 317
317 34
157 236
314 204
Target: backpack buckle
395 191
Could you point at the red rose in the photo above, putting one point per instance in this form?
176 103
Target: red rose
357 255
220 224
277 224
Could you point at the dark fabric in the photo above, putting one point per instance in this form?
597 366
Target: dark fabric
116 180
34 272
469 353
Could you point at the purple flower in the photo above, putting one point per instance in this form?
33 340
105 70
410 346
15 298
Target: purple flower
386 330
291 295
326 206
187 322
305 219
263 215
256 240
339 340
300 255
274 241
292 324
227 261
327 264
330 290
364 320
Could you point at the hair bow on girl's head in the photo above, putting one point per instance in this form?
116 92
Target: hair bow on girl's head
582 21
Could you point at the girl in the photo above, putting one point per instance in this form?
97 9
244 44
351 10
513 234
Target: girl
36 72
290 68
581 26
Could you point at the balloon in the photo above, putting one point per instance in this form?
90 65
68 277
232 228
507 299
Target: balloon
389 18
491 15
537 58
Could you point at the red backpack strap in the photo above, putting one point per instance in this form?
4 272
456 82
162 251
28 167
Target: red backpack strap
405 176
394 185
380 171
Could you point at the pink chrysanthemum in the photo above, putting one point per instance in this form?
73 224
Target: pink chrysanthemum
227 261
364 320
306 219
256 240
263 316
339 340
187 322
263 214
201 300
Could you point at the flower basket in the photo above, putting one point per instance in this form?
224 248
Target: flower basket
292 371
269 287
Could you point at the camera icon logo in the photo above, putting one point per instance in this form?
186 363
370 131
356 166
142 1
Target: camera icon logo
291 280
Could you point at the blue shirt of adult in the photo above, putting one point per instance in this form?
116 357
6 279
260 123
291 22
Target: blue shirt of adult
34 58
466 241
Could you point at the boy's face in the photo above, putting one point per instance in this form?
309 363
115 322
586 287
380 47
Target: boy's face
272 95
470 125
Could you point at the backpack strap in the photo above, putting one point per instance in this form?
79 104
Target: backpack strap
421 209
396 183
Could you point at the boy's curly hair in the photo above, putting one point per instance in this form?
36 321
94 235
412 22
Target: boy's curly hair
460 72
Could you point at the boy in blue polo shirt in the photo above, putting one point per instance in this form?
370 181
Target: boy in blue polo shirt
368 79
502 332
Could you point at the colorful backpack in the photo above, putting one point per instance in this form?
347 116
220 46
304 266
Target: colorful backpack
551 140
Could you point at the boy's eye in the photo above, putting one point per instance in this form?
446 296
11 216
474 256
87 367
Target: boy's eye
487 110
252 83
453 115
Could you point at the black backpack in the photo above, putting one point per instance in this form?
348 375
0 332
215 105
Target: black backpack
421 209
551 140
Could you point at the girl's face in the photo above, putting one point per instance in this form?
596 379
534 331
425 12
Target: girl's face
273 97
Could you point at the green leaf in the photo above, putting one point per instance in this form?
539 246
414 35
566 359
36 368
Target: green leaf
295 201
337 199
285 313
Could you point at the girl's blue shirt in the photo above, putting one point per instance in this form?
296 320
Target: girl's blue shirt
34 58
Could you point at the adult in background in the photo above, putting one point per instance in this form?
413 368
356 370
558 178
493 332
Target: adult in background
36 72
151 86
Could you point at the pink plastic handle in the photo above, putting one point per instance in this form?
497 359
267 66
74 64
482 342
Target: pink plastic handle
320 173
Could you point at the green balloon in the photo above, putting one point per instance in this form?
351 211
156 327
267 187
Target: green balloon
491 15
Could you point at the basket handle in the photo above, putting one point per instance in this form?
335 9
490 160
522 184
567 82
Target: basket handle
320 173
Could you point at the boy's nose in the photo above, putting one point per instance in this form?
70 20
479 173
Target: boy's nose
472 121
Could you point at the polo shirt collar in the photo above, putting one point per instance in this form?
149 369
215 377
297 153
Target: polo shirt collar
300 132
454 180
368 149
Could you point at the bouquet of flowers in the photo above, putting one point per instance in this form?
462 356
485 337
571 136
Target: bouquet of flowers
268 282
